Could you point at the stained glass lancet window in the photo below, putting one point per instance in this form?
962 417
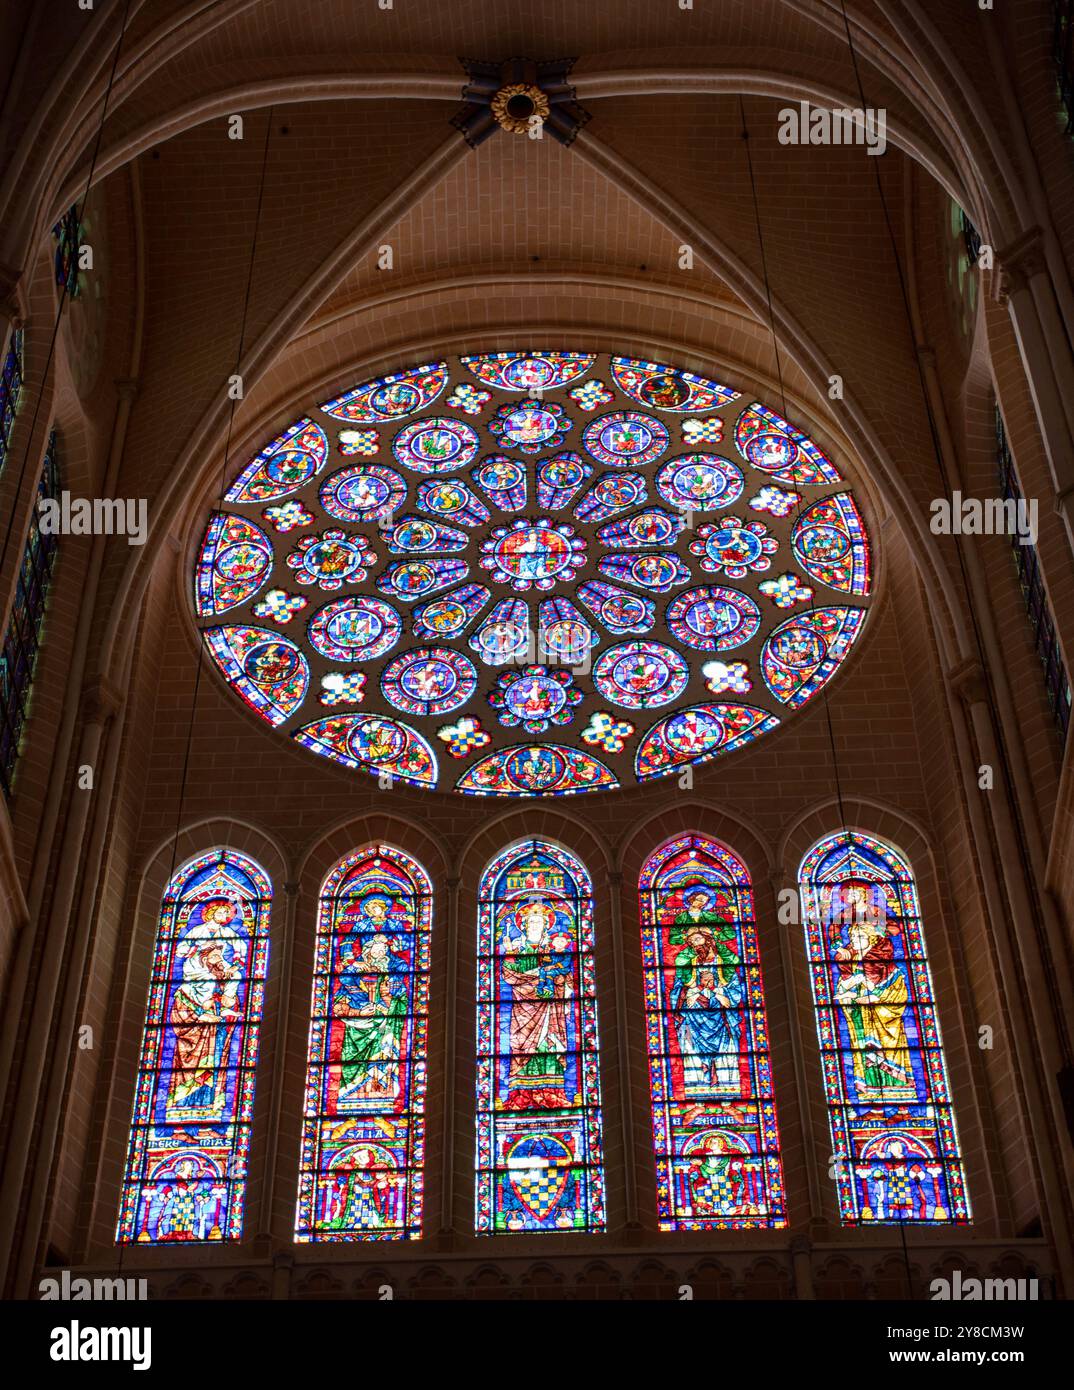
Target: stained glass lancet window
10 391
539 1165
714 1116
22 640
361 1170
190 1137
894 1142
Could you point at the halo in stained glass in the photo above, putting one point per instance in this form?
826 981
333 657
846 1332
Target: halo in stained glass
372 743
413 534
530 426
533 554
390 397
450 616
452 499
659 573
283 466
536 769
364 492
435 444
618 610
641 675
660 387
268 670
700 482
354 629
503 482
713 619
612 493
654 526
408 580
773 446
233 563
429 680
803 653
528 371
625 438
573 546
559 478
697 734
830 544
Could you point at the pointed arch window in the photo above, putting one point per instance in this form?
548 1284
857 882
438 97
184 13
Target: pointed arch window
894 1143
185 1176
539 1157
361 1168
10 391
22 640
714 1116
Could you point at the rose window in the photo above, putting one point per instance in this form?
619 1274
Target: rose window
533 573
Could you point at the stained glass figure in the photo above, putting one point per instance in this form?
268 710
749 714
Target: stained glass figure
641 675
185 1175
700 482
660 572
390 398
450 616
362 1161
654 526
378 744
529 371
363 492
503 481
614 492
697 734
735 547
563 634
660 387
713 619
625 438
408 580
536 769
414 535
435 444
559 478
533 554
283 466
829 543
429 680
895 1145
355 629
268 671
234 561
534 698
803 653
504 634
714 1116
451 498
620 612
539 1153
332 559
773 446
530 426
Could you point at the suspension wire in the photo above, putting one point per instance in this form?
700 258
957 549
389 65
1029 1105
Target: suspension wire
65 290
990 698
171 904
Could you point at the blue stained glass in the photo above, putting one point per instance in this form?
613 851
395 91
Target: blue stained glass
614 492
641 675
283 466
503 481
268 670
559 478
413 535
660 572
667 388
896 1155
429 680
804 653
620 612
536 769
390 398
700 482
363 492
451 615
504 634
625 438
354 629
452 499
713 619
408 580
697 734
435 444
529 371
373 743
774 446
530 426
533 554
562 631
654 526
